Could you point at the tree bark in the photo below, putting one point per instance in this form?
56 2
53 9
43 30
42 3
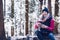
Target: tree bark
56 8
49 6
56 14
12 9
44 2
41 2
2 30
4 7
12 15
26 16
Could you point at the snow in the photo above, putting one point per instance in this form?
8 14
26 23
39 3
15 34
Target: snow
18 21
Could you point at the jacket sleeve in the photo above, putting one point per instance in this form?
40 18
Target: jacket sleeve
36 27
51 28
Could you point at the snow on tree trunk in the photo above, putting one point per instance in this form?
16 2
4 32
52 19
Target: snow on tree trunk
2 30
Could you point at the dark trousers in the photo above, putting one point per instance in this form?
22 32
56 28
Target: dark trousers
40 35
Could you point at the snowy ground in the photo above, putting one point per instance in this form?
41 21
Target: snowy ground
57 37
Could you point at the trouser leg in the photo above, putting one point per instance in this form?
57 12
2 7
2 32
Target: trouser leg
39 35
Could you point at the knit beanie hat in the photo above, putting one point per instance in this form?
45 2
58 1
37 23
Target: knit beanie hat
45 9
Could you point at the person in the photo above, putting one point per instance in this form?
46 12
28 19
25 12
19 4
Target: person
46 24
41 20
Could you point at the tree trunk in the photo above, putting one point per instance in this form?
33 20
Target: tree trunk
44 2
49 6
26 16
2 30
56 14
56 8
12 9
4 7
12 15
41 2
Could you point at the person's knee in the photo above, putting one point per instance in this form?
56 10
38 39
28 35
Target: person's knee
51 36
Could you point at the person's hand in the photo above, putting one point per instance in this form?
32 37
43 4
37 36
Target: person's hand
45 27
38 23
